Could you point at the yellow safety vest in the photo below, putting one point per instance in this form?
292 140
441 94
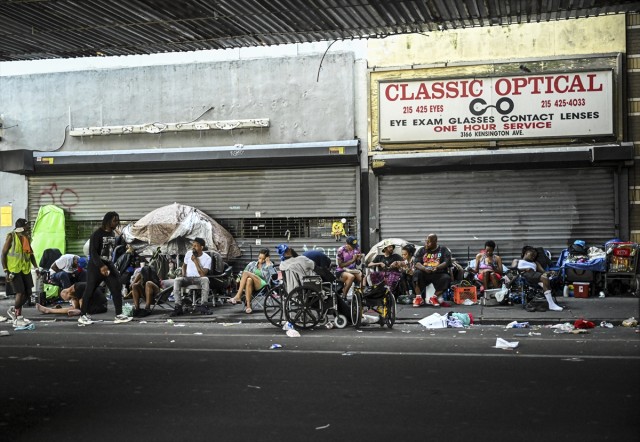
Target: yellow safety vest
18 261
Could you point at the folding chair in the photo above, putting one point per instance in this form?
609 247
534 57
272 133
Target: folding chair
162 299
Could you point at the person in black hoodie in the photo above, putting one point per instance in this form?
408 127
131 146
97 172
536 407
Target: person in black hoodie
100 268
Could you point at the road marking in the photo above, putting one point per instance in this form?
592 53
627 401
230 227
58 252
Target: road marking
496 354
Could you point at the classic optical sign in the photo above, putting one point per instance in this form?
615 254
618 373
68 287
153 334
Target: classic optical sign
524 106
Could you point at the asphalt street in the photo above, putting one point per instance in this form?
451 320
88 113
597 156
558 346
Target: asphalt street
215 381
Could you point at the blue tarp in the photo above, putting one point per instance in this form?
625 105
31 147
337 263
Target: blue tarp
594 265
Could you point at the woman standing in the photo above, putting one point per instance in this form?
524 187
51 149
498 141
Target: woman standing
100 268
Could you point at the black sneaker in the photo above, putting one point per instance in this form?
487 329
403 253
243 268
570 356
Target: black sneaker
177 311
202 310
143 313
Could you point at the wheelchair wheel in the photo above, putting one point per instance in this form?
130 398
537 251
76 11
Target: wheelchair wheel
272 306
389 317
304 307
356 308
341 321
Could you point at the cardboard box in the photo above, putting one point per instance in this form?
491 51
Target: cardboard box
580 290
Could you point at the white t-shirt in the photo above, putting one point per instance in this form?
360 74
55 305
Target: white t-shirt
65 263
525 265
192 270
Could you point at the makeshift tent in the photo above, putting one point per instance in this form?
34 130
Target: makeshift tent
172 228
48 231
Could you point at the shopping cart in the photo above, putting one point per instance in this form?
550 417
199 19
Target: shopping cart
622 266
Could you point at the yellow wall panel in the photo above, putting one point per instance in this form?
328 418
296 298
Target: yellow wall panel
593 35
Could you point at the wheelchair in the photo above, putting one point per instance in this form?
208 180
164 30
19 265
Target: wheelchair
521 291
376 297
313 303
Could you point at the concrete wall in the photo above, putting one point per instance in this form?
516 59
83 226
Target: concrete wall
302 106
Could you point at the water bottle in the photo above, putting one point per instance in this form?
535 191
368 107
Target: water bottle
565 291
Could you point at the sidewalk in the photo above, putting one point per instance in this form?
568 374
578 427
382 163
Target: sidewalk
613 309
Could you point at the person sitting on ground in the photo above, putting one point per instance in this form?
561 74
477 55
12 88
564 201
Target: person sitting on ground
195 269
254 277
73 294
348 257
488 269
384 262
535 274
145 281
432 267
66 270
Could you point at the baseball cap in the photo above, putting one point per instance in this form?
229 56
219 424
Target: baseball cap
201 242
352 241
282 249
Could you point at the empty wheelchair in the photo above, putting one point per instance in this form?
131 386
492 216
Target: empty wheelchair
314 302
378 298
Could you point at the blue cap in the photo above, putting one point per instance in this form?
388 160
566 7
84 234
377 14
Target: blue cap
352 241
579 242
282 249
82 263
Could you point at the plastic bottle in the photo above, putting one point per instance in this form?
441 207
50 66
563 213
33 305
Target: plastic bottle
565 291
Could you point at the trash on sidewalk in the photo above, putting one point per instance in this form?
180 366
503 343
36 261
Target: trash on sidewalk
562 328
579 331
293 333
457 320
323 427
605 324
433 321
275 346
583 324
229 324
31 326
370 319
4 333
505 345
631 322
516 324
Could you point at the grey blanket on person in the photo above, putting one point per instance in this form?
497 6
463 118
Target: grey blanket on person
294 269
